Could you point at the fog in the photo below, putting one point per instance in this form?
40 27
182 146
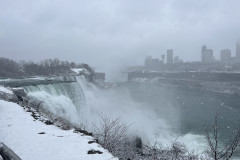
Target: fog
162 100
149 111
111 34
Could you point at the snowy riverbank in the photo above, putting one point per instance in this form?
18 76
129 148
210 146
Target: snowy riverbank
32 139
213 86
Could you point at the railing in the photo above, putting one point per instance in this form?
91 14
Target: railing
7 154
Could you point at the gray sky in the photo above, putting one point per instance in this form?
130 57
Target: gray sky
108 33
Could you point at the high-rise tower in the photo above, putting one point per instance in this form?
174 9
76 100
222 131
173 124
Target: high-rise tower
170 56
206 55
238 51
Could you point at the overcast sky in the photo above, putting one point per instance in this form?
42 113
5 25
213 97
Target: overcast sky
108 33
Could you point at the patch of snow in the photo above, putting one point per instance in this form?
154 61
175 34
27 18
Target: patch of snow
12 80
77 70
38 78
5 90
146 80
140 80
20 132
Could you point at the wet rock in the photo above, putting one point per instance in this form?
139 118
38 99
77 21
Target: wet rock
83 131
94 152
90 142
48 122
19 92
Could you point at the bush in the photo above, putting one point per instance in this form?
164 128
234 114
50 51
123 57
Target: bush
113 135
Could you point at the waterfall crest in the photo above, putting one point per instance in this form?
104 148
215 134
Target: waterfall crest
66 100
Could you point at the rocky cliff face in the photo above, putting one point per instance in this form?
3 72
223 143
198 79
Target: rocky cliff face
7 95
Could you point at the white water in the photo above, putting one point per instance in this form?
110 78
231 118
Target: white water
82 101
143 119
66 99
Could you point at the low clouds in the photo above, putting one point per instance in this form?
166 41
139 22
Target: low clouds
115 32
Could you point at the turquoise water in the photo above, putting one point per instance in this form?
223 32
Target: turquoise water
162 112
187 110
193 108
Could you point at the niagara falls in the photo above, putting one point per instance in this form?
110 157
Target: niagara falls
119 80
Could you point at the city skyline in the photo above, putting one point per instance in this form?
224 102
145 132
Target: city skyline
208 57
120 32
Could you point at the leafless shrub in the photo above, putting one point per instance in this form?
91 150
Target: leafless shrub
216 151
83 125
178 149
193 156
113 135
153 151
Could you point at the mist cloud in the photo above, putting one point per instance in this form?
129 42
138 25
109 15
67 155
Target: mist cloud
115 32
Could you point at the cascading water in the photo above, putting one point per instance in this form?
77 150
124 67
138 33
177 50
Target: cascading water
151 110
66 100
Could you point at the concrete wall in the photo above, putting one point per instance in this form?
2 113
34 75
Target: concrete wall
201 76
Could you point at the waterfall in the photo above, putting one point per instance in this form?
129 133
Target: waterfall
142 106
66 100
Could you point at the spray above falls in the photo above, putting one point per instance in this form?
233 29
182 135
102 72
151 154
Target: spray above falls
151 115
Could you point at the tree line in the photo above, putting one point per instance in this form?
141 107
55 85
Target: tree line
12 69
114 135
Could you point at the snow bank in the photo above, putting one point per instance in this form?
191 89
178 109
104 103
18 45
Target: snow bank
5 90
146 80
78 70
20 132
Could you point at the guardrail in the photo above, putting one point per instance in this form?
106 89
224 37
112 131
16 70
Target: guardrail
7 153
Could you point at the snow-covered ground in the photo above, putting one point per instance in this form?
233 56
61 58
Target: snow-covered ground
20 132
5 90
78 70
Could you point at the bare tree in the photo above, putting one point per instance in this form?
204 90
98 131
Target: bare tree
9 68
113 135
110 131
154 151
216 151
178 150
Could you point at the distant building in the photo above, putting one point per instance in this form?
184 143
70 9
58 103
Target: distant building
225 56
99 76
209 56
177 60
206 55
156 63
153 63
163 57
170 56
233 60
238 51
148 61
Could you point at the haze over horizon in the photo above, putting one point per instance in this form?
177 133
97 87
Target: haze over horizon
109 34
